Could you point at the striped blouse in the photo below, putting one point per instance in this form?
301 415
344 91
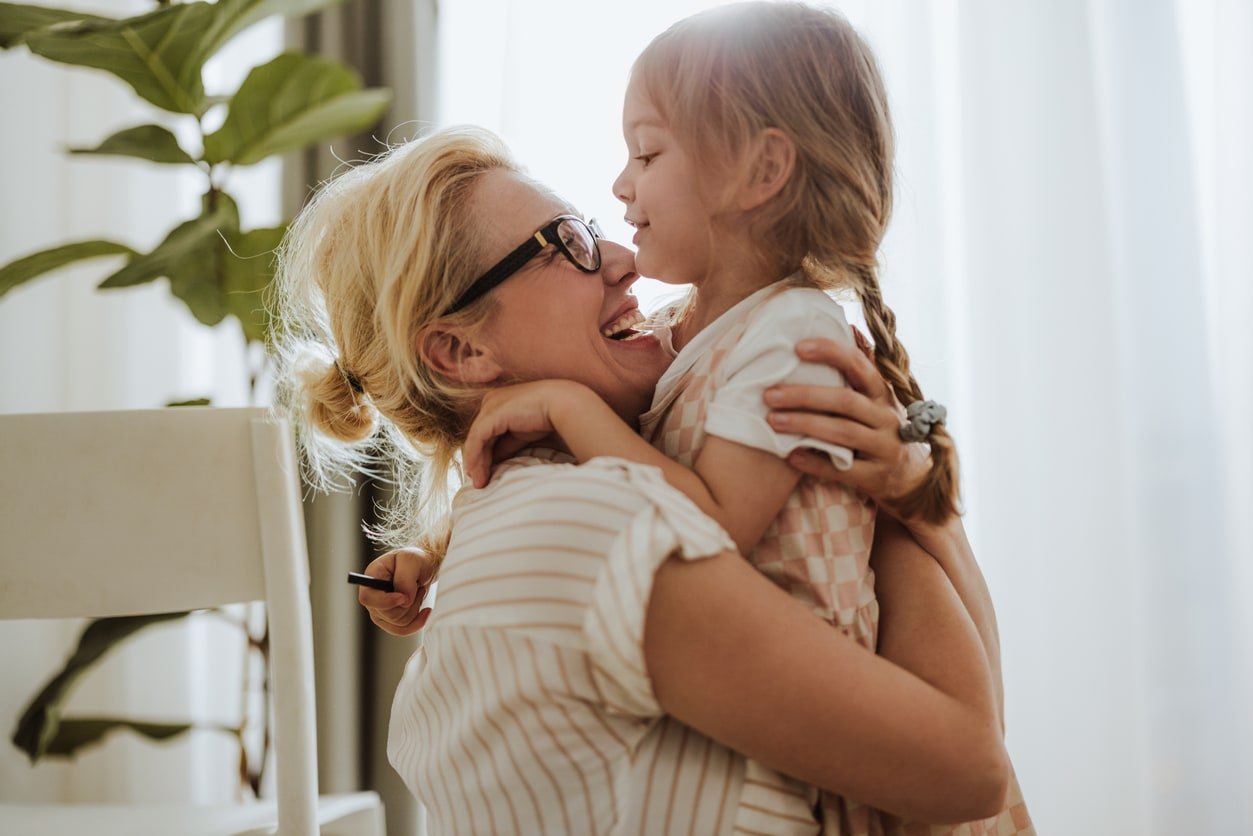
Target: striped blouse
528 708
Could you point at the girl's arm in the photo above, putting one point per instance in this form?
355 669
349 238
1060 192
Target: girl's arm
866 417
741 488
733 656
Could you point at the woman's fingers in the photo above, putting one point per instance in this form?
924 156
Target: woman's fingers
865 441
411 573
377 599
860 373
392 629
819 466
816 465
830 399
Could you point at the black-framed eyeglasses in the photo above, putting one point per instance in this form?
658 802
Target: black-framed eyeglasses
572 235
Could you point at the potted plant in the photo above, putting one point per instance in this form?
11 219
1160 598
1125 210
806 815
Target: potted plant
218 269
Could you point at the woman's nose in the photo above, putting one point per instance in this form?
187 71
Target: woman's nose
617 265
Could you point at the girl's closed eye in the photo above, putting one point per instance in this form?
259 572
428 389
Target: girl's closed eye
645 159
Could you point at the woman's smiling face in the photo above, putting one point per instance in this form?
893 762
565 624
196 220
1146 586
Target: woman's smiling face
550 318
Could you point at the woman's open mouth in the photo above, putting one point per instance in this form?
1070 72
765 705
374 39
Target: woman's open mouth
623 328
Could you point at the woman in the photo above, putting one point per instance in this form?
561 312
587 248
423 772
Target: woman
582 608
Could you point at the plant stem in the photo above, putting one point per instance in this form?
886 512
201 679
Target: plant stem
244 711
265 692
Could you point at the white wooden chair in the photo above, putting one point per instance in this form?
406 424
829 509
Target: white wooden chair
160 511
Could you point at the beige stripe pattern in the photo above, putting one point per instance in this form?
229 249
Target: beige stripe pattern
529 709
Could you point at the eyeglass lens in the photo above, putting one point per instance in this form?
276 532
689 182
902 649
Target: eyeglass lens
578 241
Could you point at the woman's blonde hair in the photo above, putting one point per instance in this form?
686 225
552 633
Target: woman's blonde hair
721 78
377 255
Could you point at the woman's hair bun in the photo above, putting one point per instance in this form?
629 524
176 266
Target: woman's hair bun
334 406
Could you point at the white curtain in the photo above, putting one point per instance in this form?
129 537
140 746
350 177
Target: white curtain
66 346
1071 260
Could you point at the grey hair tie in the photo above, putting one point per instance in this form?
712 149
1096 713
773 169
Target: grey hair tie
920 418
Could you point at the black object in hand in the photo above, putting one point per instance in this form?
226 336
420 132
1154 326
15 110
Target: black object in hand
371 581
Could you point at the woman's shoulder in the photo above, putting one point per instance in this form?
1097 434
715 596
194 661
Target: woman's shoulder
555 482
604 493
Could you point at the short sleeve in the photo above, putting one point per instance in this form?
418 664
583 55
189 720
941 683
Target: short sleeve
765 356
668 524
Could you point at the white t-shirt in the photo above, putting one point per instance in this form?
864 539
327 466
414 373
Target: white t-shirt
779 316
529 708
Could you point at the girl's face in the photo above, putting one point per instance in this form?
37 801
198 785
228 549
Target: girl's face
667 200
550 318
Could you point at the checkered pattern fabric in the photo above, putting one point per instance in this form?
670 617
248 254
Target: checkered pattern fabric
818 550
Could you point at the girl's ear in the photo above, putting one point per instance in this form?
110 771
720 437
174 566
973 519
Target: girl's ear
450 352
771 166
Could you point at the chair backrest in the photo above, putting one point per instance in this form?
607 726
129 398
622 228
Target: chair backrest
126 513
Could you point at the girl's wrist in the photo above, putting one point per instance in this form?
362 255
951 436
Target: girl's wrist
570 401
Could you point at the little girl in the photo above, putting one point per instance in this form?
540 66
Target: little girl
760 172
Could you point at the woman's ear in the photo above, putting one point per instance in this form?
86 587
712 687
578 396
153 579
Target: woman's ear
770 169
450 352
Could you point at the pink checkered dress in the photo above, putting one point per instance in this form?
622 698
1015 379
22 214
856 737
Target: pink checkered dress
818 550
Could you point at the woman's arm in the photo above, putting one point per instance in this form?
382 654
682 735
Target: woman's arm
738 659
412 573
948 545
865 417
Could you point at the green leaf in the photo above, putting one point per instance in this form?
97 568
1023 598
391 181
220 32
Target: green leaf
38 725
230 17
157 53
192 402
193 257
290 102
36 264
148 142
249 273
74 734
17 20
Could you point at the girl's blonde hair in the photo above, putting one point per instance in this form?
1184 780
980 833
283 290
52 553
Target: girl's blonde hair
721 78
376 256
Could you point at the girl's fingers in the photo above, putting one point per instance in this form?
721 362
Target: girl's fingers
507 445
472 453
849 360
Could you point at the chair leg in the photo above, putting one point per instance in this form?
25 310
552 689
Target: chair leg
369 822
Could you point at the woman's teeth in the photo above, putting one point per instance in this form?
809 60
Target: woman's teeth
623 323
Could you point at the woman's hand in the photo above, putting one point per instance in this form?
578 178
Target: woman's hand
511 418
411 572
864 417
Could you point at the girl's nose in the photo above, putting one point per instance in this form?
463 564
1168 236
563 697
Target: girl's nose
622 187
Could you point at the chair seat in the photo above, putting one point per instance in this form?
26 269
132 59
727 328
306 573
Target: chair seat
338 815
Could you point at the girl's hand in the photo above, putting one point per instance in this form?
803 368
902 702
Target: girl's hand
864 417
511 418
411 573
